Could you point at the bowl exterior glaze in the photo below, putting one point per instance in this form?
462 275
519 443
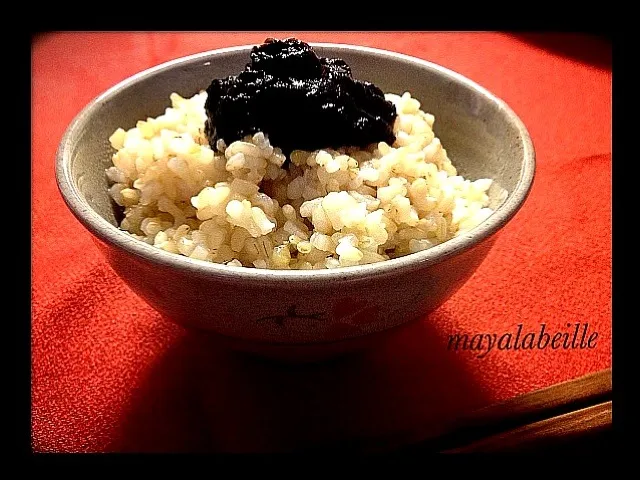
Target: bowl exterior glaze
262 311
273 309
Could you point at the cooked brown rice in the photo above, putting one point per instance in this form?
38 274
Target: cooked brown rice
238 206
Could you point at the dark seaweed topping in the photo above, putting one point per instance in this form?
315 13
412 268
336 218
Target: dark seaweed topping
299 100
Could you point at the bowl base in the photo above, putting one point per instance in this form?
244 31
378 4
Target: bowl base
307 353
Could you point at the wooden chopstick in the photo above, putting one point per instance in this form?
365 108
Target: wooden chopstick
543 404
581 426
575 407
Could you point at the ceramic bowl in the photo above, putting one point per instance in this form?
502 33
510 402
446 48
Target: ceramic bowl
275 311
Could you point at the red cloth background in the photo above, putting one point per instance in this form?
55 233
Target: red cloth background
108 374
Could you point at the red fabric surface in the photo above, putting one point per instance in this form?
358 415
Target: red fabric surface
108 374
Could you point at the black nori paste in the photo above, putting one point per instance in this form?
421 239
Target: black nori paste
299 100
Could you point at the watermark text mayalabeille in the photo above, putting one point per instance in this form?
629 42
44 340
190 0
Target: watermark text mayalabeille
577 336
